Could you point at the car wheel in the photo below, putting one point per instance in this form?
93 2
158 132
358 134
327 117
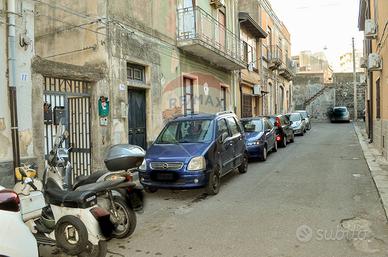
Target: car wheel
243 168
275 147
284 141
264 155
213 185
150 190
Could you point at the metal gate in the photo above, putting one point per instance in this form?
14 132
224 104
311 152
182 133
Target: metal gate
69 101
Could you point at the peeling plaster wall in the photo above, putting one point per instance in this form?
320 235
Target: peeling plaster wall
24 28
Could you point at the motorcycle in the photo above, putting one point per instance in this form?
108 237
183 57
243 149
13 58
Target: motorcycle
121 202
71 221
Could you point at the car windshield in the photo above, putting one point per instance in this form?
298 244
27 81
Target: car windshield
252 125
340 109
295 117
187 131
304 114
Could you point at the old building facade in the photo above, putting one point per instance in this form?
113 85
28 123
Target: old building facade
275 66
150 67
375 13
17 25
116 71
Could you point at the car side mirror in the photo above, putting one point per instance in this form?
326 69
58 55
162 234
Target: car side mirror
291 122
303 119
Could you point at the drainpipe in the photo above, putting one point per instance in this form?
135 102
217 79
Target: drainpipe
11 13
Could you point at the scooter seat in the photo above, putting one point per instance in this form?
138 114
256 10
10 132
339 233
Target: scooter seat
72 199
105 185
92 178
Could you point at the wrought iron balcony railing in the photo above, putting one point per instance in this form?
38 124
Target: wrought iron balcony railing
198 30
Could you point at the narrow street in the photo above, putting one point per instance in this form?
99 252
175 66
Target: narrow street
321 181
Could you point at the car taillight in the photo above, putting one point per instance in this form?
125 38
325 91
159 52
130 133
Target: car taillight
9 201
277 122
278 138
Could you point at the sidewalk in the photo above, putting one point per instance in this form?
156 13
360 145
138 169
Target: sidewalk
378 166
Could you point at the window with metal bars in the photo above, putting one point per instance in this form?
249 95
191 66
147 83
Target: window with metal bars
136 72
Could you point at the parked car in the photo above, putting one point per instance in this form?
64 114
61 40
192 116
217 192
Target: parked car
298 123
195 151
284 131
340 113
14 233
260 137
307 117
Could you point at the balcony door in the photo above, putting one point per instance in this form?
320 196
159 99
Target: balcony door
187 20
222 28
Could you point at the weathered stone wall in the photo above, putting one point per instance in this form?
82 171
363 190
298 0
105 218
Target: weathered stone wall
339 93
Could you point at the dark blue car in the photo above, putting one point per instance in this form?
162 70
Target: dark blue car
195 151
260 137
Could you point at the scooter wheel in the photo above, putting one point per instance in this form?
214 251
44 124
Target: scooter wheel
99 250
71 235
126 220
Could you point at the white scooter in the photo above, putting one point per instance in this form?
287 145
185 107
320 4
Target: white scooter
70 220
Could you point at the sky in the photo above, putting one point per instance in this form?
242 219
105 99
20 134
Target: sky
318 24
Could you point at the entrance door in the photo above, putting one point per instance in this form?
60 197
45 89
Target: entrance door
137 118
67 102
79 134
246 106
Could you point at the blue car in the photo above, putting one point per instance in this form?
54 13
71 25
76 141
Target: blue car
195 151
260 137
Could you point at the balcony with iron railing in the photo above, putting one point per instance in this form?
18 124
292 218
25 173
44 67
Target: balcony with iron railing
287 69
202 35
273 55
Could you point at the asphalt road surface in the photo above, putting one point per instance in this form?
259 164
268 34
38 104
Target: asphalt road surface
313 198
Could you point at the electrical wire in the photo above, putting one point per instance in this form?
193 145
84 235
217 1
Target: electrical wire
70 24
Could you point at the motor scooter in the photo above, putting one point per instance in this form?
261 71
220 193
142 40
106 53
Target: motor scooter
123 200
71 221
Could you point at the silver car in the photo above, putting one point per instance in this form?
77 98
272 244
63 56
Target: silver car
306 116
298 123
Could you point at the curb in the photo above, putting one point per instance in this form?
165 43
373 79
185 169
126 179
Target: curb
379 175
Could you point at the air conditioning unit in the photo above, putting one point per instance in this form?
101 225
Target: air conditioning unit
375 62
217 3
257 90
370 31
364 62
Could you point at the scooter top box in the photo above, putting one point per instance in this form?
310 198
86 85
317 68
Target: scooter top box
124 157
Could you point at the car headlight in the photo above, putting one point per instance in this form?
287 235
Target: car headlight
197 163
143 165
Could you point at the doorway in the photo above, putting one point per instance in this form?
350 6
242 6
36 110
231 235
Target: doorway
137 134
